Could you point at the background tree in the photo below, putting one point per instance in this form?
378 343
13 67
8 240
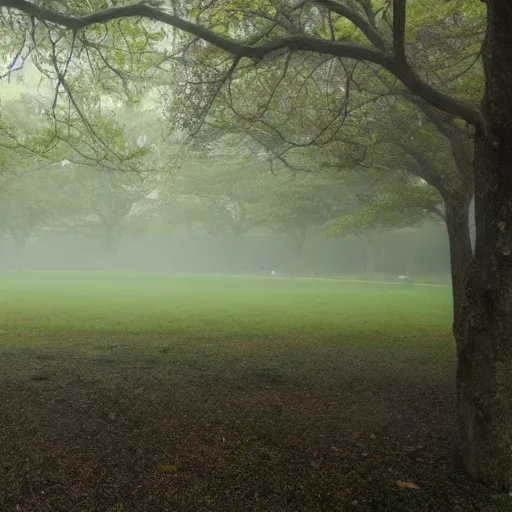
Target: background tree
24 205
405 205
299 205
224 178
98 204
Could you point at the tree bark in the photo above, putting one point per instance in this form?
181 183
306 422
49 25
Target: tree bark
459 238
484 332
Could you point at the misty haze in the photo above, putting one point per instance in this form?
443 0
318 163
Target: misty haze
255 256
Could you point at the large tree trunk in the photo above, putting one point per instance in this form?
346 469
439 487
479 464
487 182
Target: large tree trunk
484 336
459 238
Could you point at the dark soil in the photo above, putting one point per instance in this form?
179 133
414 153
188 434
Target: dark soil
126 430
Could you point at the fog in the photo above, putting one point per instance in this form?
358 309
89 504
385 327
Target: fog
422 253
119 186
228 214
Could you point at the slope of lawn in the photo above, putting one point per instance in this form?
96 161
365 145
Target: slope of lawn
184 393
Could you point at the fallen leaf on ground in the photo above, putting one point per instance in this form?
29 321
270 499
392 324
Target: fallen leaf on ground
165 468
407 485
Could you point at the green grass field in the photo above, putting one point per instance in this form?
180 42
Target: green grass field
158 392
218 306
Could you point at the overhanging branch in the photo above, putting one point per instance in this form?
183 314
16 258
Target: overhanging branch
131 11
435 98
363 25
293 42
399 16
427 170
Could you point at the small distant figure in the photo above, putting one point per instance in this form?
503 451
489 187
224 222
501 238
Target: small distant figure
274 273
405 280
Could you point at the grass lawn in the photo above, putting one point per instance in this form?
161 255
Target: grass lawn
190 393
